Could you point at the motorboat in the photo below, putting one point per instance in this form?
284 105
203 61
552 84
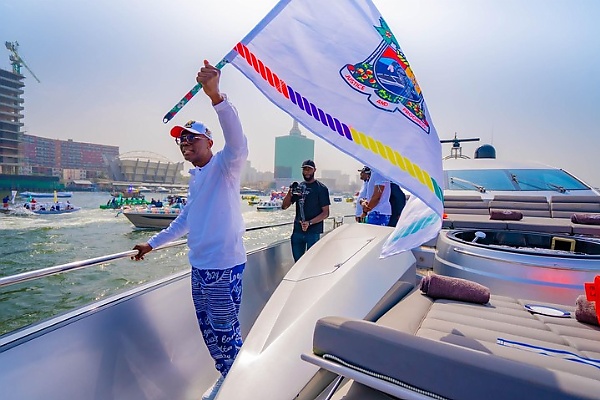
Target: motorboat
162 189
7 209
270 205
252 199
130 193
343 323
119 201
143 189
62 195
51 208
152 217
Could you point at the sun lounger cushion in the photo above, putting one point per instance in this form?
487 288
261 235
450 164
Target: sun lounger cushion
464 204
586 219
458 221
528 208
566 206
446 287
510 215
586 310
449 348
540 224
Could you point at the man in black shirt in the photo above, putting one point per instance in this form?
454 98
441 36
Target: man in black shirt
312 207
397 201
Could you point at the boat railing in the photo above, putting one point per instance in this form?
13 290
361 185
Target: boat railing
76 265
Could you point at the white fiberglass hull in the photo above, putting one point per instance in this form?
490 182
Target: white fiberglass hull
149 220
341 275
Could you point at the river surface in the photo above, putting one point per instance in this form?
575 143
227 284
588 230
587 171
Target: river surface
30 242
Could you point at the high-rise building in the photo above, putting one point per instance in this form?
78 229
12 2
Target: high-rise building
290 151
11 106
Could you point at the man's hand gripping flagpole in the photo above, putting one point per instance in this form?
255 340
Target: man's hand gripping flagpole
185 99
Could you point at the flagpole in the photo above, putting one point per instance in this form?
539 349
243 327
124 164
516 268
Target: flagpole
230 56
188 96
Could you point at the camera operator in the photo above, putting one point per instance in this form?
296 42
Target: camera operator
312 207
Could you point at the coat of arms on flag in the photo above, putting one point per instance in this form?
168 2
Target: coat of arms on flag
385 75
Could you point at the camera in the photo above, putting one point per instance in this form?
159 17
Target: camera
297 189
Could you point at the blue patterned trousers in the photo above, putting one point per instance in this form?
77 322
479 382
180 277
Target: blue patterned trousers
217 295
375 218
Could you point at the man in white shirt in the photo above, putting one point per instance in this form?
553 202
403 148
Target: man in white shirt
377 205
213 220
365 174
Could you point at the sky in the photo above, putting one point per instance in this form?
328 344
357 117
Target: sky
521 75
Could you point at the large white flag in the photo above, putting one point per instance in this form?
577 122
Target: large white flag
337 68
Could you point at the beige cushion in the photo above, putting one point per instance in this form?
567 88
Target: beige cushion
456 344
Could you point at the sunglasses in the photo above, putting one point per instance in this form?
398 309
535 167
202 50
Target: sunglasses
187 138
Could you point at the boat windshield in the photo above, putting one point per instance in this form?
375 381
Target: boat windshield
513 180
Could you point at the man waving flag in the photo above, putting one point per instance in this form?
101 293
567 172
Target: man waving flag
337 68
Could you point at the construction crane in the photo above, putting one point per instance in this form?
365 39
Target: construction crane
16 61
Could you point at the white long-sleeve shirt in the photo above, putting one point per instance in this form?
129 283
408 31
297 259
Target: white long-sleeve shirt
212 217
384 206
361 195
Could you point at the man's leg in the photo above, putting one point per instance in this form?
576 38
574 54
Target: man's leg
311 239
298 245
217 296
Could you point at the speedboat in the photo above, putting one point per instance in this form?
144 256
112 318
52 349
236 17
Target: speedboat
121 201
252 199
7 209
271 205
152 217
343 323
26 195
51 208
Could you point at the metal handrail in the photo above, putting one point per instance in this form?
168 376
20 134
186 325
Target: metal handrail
43 272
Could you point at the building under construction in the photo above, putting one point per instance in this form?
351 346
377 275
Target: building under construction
11 108
29 162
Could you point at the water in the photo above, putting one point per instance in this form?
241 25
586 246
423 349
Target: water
30 242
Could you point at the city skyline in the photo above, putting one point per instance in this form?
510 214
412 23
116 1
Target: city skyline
519 75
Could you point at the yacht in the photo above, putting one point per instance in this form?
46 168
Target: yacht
343 323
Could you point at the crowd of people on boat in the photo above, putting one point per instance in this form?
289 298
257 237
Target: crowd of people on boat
33 205
120 201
